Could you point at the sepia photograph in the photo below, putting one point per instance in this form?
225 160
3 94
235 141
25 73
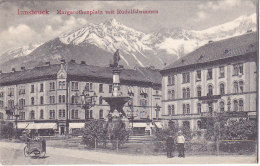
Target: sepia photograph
129 82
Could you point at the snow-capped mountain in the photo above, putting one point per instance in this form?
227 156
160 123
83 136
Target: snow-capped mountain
96 43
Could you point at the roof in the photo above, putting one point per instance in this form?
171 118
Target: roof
81 70
217 50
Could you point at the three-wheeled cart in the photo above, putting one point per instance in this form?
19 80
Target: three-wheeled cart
35 148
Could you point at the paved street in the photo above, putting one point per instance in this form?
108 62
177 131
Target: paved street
10 151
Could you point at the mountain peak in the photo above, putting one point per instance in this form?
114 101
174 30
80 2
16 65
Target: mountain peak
112 22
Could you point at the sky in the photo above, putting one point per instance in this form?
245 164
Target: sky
21 30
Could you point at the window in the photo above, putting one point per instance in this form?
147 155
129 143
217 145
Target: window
52 99
199 108
188 109
210 90
241 86
110 88
100 100
210 107
188 93
170 80
22 115
221 72
32 88
87 114
62 99
32 101
184 109
10 103
171 94
173 110
235 87
222 89
209 75
41 114
100 88
241 105
10 92
198 76
1 115
235 105
32 115
52 85
22 91
41 87
52 114
74 100
184 93
1 94
186 77
222 106
131 91
101 114
62 113
41 100
237 69
62 85
143 100
21 103
1 103
91 114
75 86
199 91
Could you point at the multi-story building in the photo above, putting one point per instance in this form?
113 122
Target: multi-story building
219 77
48 97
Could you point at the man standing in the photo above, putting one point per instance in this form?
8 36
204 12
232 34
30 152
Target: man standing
170 146
180 144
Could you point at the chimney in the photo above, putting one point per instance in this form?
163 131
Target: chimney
72 61
48 63
211 41
249 30
13 69
83 62
23 68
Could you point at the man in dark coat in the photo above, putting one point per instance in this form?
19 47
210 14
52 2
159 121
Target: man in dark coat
170 146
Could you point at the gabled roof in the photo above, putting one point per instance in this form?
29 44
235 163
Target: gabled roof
216 50
80 71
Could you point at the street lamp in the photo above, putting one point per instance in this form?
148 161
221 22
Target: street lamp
13 111
157 109
130 104
88 99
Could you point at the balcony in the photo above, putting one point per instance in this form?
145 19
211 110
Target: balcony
210 97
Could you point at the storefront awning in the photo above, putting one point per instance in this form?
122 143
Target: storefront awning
76 125
22 125
141 125
41 126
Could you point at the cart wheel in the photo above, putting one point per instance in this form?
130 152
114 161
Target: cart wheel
35 153
25 151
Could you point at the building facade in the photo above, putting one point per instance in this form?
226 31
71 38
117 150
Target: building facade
219 77
47 98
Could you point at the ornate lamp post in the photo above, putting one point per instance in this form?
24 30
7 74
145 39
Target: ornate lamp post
88 99
14 112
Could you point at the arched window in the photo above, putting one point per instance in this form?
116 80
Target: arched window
100 100
32 100
100 114
241 105
210 90
184 109
173 110
199 124
235 105
188 92
199 91
235 87
222 106
41 100
222 89
41 114
199 108
241 86
188 109
184 93
32 114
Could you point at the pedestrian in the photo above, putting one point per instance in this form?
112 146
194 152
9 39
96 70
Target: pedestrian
180 144
170 146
